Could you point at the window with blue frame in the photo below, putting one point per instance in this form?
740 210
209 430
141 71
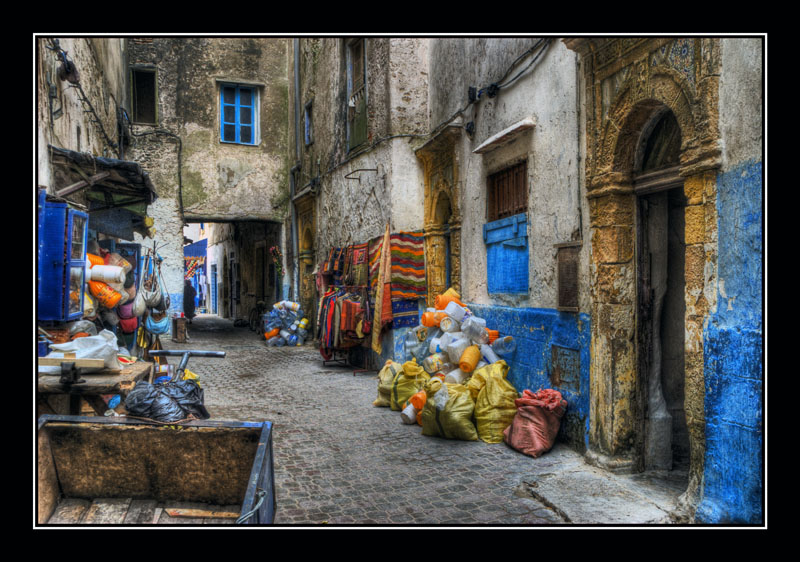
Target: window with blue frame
506 232
238 114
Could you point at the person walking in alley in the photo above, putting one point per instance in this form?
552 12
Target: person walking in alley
188 300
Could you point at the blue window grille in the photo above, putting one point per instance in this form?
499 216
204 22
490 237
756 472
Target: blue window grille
238 114
507 255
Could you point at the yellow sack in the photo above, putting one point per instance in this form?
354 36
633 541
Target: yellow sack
385 377
454 421
189 375
478 380
405 384
495 408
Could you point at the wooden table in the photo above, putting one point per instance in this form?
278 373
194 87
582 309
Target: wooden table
97 384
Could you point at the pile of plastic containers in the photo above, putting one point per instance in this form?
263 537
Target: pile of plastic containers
452 343
285 325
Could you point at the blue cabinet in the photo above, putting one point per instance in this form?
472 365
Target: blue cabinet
507 255
61 271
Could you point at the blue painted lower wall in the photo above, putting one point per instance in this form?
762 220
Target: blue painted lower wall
537 331
733 351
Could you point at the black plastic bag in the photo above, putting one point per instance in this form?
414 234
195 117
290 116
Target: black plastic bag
167 402
188 395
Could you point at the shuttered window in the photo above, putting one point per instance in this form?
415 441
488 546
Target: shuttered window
239 114
508 193
356 94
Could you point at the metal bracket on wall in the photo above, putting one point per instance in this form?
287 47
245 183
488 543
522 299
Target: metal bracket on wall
347 177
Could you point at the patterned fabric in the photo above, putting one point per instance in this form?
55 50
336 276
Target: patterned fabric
359 265
405 313
190 265
408 266
374 257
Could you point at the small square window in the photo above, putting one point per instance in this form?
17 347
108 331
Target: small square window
238 114
143 92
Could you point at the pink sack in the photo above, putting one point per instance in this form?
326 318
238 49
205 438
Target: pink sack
535 426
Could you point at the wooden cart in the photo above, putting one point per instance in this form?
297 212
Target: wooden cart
121 471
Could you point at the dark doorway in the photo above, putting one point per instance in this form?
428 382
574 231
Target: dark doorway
664 440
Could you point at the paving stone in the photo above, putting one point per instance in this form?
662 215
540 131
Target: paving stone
341 460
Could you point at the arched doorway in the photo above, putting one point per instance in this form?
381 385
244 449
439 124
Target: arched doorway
662 436
440 254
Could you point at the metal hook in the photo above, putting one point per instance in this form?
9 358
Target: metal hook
347 177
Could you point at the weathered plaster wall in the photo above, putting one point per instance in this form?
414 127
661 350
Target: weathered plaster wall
387 189
217 180
100 64
548 95
733 333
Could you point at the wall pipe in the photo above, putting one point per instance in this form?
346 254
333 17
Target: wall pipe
294 170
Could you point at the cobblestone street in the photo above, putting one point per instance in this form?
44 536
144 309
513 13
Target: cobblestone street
340 460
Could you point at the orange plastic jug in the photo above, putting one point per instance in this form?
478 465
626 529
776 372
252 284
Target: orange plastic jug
441 301
431 319
271 334
95 259
469 359
105 295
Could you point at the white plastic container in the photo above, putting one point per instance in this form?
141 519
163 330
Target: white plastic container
434 363
455 349
409 415
504 345
456 376
488 354
449 324
107 274
435 345
455 311
474 328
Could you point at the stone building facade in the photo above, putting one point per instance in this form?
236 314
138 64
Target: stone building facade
673 130
639 159
599 199
211 125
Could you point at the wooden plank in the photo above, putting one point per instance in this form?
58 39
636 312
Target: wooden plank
141 512
82 184
83 362
103 382
166 519
204 513
107 511
69 512
224 521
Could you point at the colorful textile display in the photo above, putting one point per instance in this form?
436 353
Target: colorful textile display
408 266
405 313
190 266
359 265
374 258
383 294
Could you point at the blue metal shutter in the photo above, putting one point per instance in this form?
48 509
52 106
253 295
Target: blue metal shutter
507 254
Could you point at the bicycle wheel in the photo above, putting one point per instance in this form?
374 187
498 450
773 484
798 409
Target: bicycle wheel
253 319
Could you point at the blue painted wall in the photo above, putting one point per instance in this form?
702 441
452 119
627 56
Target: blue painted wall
733 348
536 331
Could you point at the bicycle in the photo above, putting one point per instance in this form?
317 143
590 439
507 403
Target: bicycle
255 319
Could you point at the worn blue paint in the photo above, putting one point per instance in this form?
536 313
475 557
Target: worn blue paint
733 351
536 331
507 255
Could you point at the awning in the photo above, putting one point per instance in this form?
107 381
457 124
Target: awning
116 192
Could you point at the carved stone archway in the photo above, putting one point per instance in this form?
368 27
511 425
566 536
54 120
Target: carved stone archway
442 221
629 83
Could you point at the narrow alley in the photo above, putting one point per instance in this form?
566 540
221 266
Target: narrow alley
341 461
547 250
